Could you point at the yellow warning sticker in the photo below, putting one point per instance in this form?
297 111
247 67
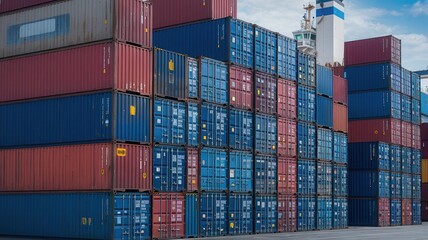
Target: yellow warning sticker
102 171
376 132
232 225
132 110
205 137
171 65
193 182
144 175
121 152
258 92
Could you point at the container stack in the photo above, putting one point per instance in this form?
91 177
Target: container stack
424 153
384 133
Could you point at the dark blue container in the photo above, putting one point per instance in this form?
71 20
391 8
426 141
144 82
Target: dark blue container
240 214
340 213
374 77
306 69
416 212
306 177
306 104
340 148
375 104
424 104
340 180
306 210
406 160
193 76
416 111
416 86
306 137
240 172
324 144
214 81
287 58
265 180
324 81
213 169
241 130
396 185
213 215
369 183
169 122
265 50
406 82
416 186
169 169
416 161
192 215
324 178
406 186
396 212
324 213
88 215
369 156
395 155
214 125
226 40
266 134
406 108
324 113
192 124
96 117
170 73
266 214
364 212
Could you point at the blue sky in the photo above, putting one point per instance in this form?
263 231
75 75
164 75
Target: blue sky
406 19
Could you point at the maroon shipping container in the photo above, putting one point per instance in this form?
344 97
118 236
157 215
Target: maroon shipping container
384 212
424 131
176 12
340 118
103 166
266 87
424 150
340 90
406 214
339 71
192 169
12 5
424 189
424 210
287 137
406 134
374 50
287 213
375 130
110 65
287 176
241 87
287 99
416 136
168 215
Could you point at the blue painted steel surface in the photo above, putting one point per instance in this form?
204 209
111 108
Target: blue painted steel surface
192 215
213 169
395 157
340 180
416 111
240 171
416 86
406 160
396 211
214 125
324 144
169 122
370 156
364 212
396 185
340 213
324 113
406 108
306 137
287 58
266 134
324 81
192 124
416 212
266 214
169 169
193 78
416 161
241 130
306 104
306 211
340 148
375 104
240 214
379 76
75 119
324 213
416 186
331 11
406 186
406 82
424 104
306 177
226 40
265 50
214 81
369 183
324 178
266 172
306 69
213 214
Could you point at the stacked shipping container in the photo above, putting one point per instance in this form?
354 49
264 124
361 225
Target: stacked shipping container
424 168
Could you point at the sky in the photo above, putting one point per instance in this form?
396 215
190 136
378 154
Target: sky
405 19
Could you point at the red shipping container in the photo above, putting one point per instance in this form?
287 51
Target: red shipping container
103 166
287 213
287 137
340 90
386 130
416 136
424 131
110 65
373 50
287 176
287 99
424 210
406 134
176 12
424 150
340 118
192 169
339 71
168 215
406 214
12 5
241 87
266 88
424 190
384 212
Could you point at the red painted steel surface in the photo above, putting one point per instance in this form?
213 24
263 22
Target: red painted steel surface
340 118
424 131
406 134
384 212
12 5
416 136
168 220
175 12
287 137
424 150
424 191
406 214
287 176
241 87
266 91
287 99
340 90
424 210
77 168
192 169
386 130
109 65
287 213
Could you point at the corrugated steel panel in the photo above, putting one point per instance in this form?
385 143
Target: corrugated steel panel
287 213
424 210
340 213
306 136
324 144
241 127
240 172
266 172
396 185
306 102
406 160
103 166
416 86
76 119
192 124
306 69
396 212
234 43
373 156
306 177
416 161
340 148
416 136
12 5
213 169
68 23
395 155
340 90
287 137
266 49
266 96
424 104
214 125
324 81
213 215
424 131
340 180
406 108
240 214
266 134
169 125
266 214
92 215
287 58
375 130
425 172
406 185
169 169
324 178
193 78
306 211
324 213
192 170
192 215
424 190
416 186
287 99
416 212
369 212
374 104
214 81
406 134
241 87
381 76
370 183
170 71
324 112
168 215
406 82
287 176
416 111
340 118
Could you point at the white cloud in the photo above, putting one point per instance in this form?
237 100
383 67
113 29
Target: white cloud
414 49
420 8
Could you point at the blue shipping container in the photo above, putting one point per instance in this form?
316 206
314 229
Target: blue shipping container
306 137
240 214
240 172
324 178
395 155
340 180
416 86
424 104
369 183
396 185
340 213
306 104
266 214
306 177
324 144
375 104
306 69
406 160
287 58
169 169
379 76
416 161
324 113
265 50
241 130
396 212
214 81
192 215
226 40
306 211
88 215
340 148
416 186
369 156
406 82
324 213
324 81
406 186
214 125
169 122
192 124
193 76
266 134
365 212
170 72
213 169
406 108
416 111
75 119
266 173
213 215
416 212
